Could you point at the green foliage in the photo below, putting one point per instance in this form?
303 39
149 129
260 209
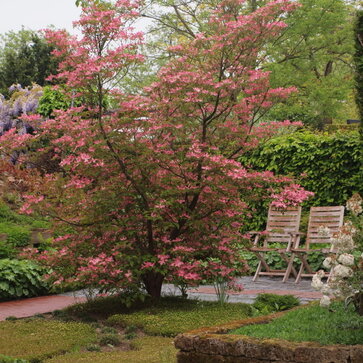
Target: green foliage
270 303
6 359
93 348
274 260
145 350
336 325
17 229
17 235
20 278
172 316
37 339
108 330
315 54
110 339
327 164
6 250
25 58
358 58
51 100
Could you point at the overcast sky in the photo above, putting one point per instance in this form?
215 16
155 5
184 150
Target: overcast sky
37 14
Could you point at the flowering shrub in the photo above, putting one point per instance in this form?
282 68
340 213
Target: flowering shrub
153 190
23 101
346 265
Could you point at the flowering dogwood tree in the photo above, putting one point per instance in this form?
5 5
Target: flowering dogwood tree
152 189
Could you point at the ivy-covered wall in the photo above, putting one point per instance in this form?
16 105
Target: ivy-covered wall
330 165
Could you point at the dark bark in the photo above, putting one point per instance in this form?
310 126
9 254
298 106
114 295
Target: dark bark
359 304
153 282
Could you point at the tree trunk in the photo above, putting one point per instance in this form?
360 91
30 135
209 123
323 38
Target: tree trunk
360 303
153 282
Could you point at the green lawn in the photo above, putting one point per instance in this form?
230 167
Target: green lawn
336 325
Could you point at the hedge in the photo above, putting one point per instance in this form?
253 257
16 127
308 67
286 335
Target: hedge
330 165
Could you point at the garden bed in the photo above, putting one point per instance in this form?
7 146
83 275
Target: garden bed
216 344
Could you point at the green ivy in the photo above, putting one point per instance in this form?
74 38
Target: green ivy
329 165
21 278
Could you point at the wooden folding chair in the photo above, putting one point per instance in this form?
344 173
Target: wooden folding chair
320 217
282 226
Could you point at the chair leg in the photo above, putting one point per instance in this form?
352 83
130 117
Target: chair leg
304 267
258 270
262 264
290 266
298 277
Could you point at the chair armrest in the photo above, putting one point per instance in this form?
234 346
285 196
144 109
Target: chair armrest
257 237
294 240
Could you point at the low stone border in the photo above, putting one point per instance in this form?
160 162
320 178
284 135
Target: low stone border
212 345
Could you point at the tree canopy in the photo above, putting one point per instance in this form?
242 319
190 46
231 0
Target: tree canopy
25 58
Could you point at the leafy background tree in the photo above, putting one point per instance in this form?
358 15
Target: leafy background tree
315 55
25 58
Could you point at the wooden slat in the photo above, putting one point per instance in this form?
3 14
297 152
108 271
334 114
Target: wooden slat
321 217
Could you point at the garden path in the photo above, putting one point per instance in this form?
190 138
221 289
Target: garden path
44 304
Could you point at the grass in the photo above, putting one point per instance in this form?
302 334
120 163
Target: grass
143 332
173 316
335 325
36 339
148 349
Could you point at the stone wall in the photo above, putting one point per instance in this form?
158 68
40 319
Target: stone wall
212 345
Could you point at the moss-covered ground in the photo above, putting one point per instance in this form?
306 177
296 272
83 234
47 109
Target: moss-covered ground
105 330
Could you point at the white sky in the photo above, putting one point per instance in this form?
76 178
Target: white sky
37 14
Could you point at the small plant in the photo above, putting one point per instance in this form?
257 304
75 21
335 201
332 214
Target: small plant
108 330
59 313
11 318
6 359
39 316
6 250
130 336
110 339
269 303
131 329
93 348
88 319
21 279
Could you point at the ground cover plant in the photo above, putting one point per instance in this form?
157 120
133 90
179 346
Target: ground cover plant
270 303
105 330
37 339
148 349
176 316
337 325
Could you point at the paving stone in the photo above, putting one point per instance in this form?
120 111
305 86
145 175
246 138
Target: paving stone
44 304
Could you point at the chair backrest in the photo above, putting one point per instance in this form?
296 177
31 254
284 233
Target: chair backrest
281 222
322 217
